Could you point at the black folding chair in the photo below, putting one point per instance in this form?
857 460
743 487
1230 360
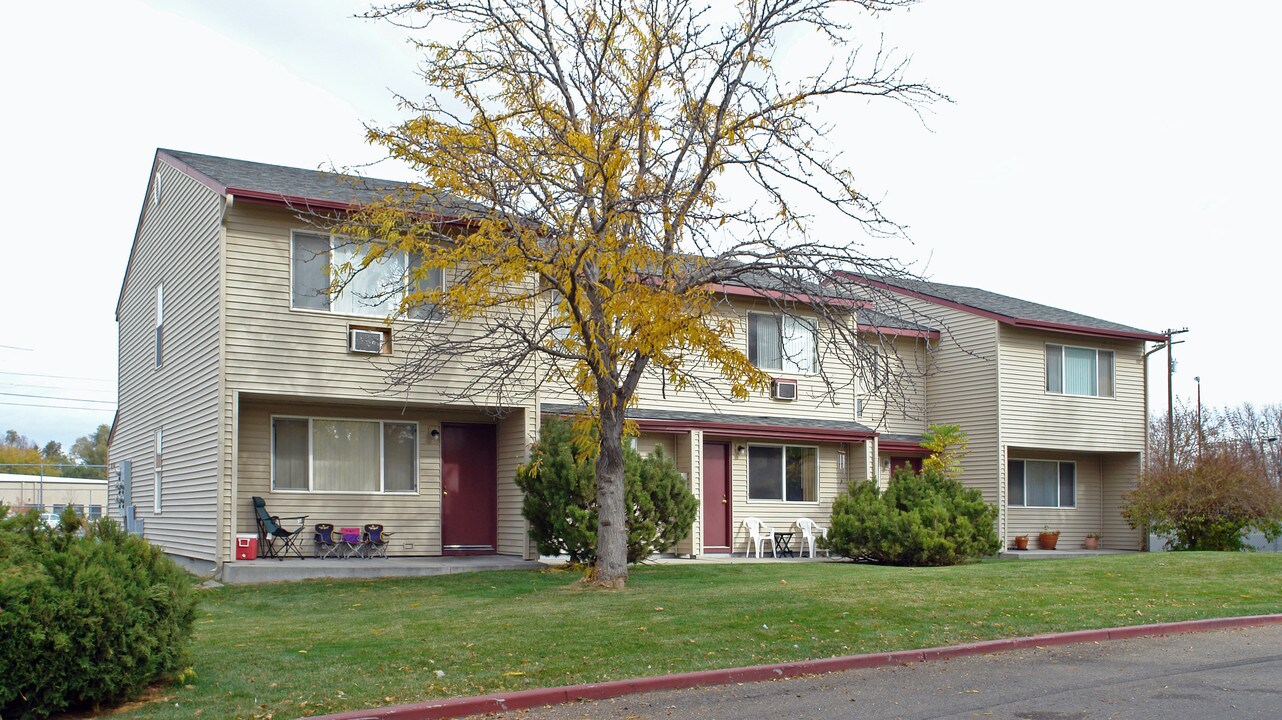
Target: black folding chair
270 530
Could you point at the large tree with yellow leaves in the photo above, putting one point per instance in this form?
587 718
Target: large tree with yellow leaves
613 169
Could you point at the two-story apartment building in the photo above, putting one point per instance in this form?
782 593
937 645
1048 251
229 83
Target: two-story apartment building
243 374
239 377
1054 403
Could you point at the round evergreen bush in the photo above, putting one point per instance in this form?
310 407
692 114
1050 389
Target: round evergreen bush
560 498
929 518
86 619
918 520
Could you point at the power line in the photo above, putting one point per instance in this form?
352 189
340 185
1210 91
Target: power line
29 386
55 397
57 377
54 407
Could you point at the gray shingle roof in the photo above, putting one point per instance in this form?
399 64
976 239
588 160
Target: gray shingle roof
315 185
780 423
1013 308
882 320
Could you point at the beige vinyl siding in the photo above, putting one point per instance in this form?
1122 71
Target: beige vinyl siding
273 348
1073 523
1121 475
900 407
688 454
1033 417
813 396
961 389
515 433
178 244
415 518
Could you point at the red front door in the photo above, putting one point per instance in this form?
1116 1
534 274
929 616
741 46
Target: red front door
469 489
716 497
913 463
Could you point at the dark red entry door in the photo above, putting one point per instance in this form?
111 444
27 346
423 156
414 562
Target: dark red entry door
716 497
913 463
469 489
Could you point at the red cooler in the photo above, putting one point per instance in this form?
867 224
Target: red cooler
246 547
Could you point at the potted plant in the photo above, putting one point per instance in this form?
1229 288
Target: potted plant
1092 540
1021 542
1047 538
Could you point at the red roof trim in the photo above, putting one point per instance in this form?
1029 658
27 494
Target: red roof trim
1094 332
314 204
901 447
754 431
741 291
1013 321
898 332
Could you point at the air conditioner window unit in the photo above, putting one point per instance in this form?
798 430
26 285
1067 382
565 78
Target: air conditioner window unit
783 389
366 341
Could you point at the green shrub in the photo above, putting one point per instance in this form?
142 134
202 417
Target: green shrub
560 498
86 620
1211 503
918 520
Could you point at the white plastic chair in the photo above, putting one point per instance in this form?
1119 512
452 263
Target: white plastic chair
758 533
809 530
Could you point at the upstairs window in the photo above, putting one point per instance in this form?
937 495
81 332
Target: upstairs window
160 323
781 342
1079 371
377 290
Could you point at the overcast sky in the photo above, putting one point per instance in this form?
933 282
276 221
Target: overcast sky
1118 160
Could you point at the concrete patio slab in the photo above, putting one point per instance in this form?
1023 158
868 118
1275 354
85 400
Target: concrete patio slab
265 570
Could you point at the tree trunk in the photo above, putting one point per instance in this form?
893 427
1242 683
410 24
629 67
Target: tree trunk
612 532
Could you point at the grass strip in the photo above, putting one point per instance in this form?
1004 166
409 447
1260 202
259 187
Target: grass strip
313 647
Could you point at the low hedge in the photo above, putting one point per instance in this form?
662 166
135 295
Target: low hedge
87 619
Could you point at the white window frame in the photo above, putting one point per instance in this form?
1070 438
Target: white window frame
783 477
382 459
1063 381
160 324
157 470
434 316
785 361
1059 481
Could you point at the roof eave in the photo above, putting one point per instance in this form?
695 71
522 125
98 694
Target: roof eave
898 332
742 291
1088 331
1018 322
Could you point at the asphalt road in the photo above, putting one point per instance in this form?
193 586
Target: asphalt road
1222 675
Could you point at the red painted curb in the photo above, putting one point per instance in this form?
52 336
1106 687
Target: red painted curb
460 707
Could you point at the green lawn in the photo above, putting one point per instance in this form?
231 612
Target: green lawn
322 646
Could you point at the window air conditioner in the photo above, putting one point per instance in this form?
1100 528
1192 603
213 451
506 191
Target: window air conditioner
366 341
783 389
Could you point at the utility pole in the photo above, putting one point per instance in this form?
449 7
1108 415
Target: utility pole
1170 393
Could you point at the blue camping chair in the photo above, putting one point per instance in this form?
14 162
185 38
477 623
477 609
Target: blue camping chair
376 540
325 542
270 530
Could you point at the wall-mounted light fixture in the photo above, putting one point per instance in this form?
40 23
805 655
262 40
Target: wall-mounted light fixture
436 435
740 450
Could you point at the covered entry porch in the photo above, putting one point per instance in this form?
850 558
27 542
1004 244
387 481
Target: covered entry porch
439 479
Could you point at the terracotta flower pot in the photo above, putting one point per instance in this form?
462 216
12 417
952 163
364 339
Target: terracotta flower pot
1021 542
1091 543
1047 540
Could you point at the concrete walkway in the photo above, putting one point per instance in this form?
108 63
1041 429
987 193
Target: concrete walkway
265 570
1058 554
